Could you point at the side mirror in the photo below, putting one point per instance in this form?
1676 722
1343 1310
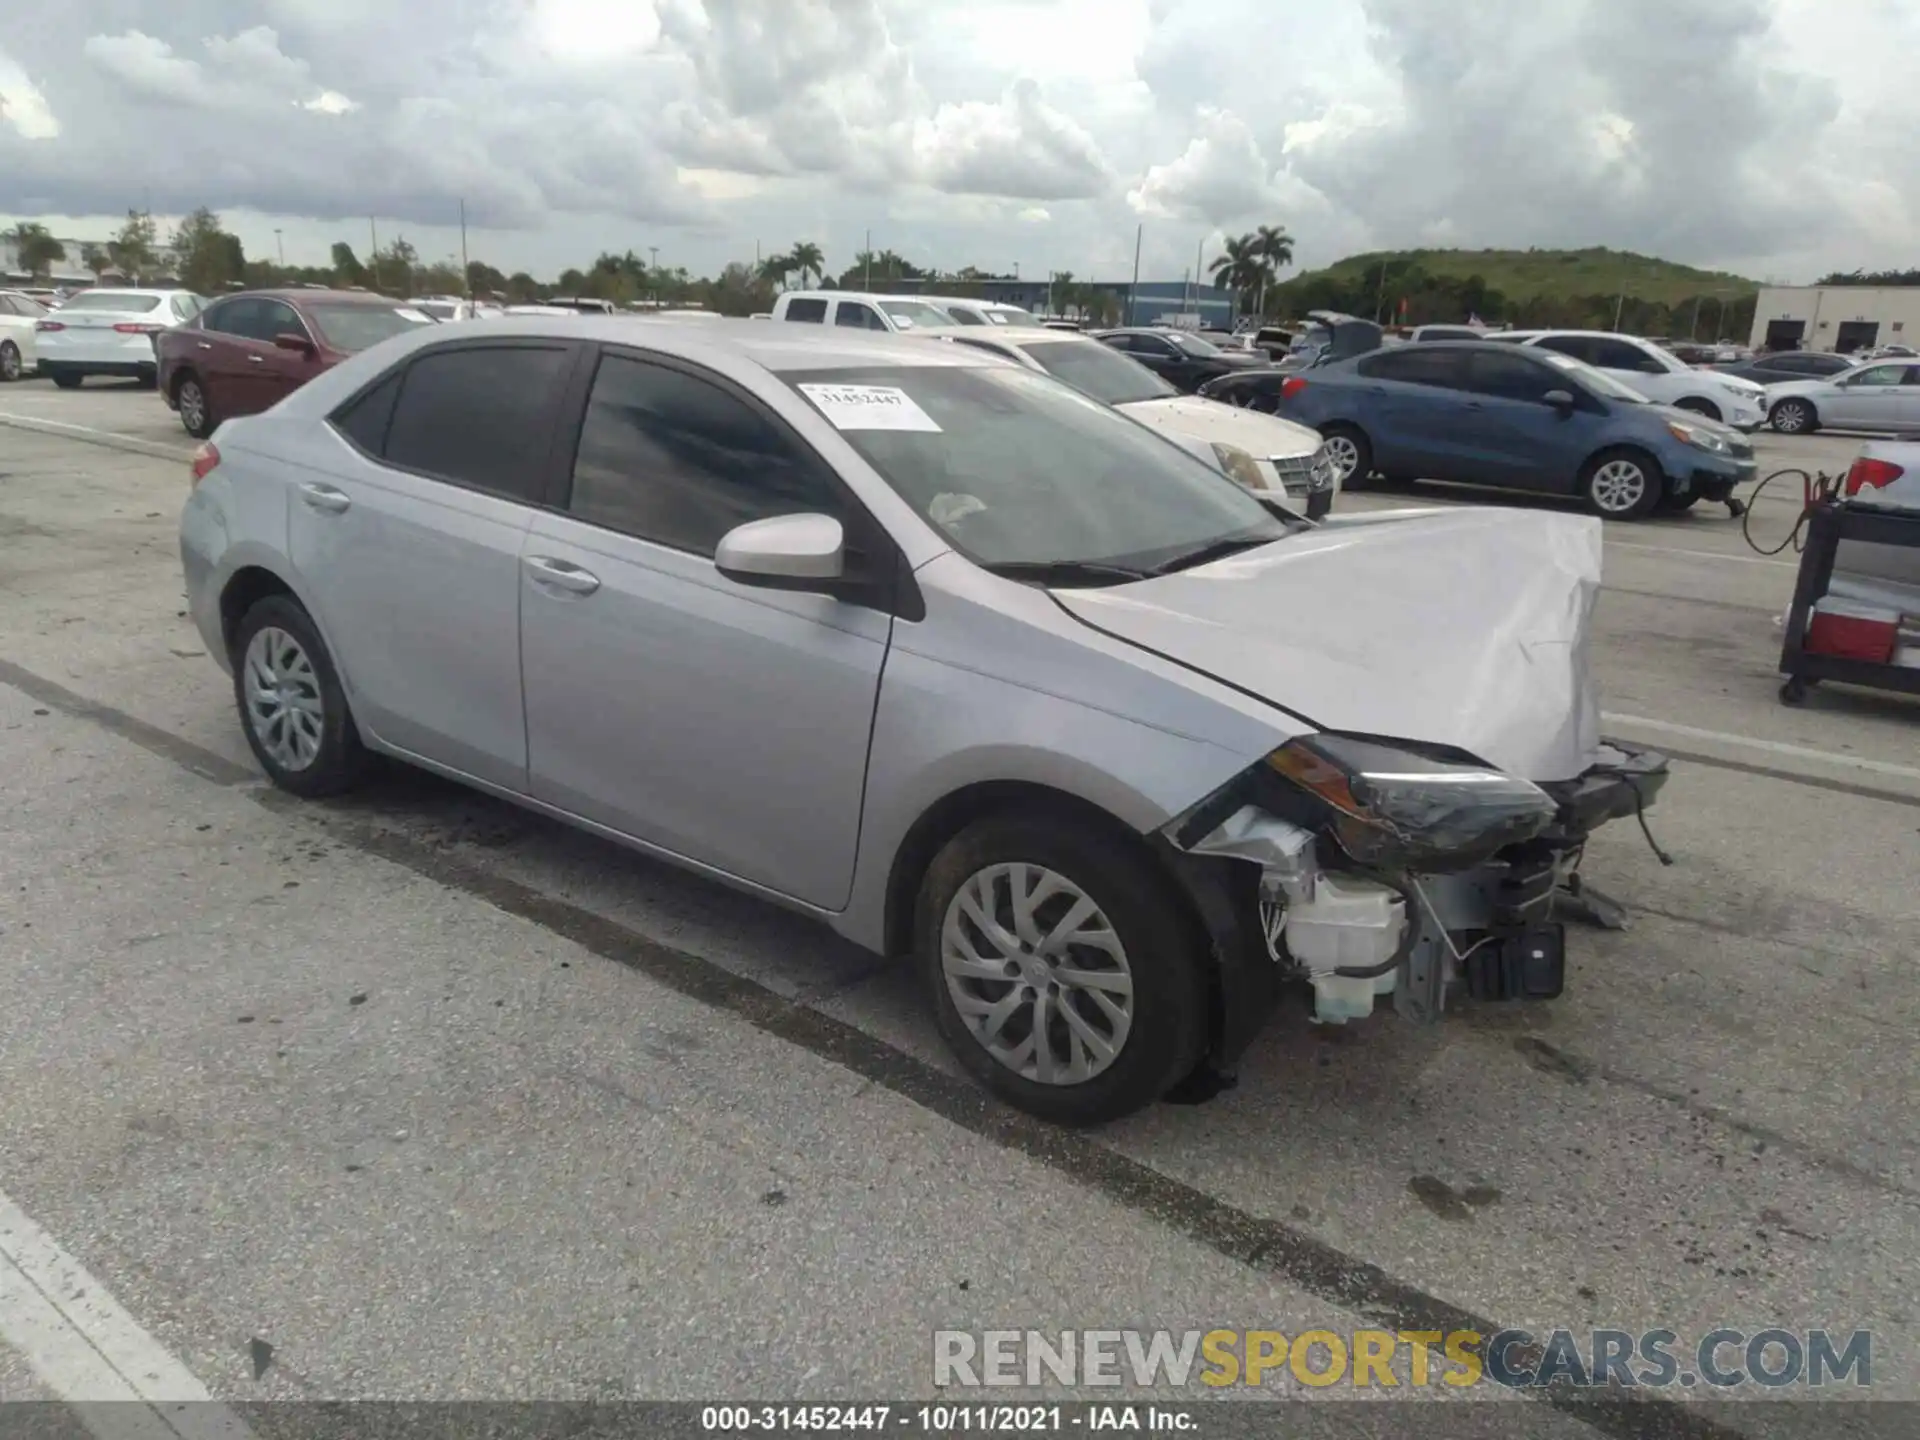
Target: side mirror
293 340
1559 399
784 552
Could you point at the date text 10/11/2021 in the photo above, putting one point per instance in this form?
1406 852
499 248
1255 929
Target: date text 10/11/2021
946 1419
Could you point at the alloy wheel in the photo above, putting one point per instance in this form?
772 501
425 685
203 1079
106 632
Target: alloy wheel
9 363
284 705
1037 973
1789 417
193 405
1345 456
1618 486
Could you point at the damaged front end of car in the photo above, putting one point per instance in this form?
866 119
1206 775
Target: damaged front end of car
1373 869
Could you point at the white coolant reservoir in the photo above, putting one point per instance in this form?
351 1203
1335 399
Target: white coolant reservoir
1348 924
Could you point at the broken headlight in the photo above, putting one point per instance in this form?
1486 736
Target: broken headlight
1396 809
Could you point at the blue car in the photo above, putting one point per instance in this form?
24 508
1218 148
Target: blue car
1484 413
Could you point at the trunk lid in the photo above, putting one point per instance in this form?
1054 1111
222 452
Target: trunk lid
1467 627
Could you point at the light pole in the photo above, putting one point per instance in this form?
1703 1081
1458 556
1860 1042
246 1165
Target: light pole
281 245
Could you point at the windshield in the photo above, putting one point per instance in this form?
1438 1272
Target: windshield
1011 315
1017 470
356 327
1192 344
914 312
1666 357
117 300
435 309
1100 371
1598 381
28 304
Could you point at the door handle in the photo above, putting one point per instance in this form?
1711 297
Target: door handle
324 498
256 359
204 345
561 575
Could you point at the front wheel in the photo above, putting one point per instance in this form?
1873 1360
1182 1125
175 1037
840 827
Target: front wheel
1065 975
10 362
1622 485
1794 417
292 706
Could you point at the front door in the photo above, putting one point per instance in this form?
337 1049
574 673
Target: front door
723 723
409 548
1872 399
277 373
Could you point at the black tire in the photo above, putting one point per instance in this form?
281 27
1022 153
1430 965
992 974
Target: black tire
340 761
1794 416
1595 487
11 365
196 415
1363 453
1698 407
67 380
1163 954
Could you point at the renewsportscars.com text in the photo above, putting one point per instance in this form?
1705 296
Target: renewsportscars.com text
1391 1359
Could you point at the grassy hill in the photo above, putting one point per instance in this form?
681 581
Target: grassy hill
1539 287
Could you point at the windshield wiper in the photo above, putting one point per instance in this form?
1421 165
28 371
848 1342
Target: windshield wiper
1212 550
1066 572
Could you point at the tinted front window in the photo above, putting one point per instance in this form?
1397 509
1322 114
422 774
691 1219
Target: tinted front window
1097 371
1419 366
674 459
1619 355
1194 345
120 300
812 312
243 317
479 417
356 327
1876 375
1598 381
966 316
1580 347
1014 467
1509 375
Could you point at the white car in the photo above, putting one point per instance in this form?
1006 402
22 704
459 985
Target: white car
851 310
1656 373
1886 475
448 308
19 313
1262 452
1880 395
109 332
981 312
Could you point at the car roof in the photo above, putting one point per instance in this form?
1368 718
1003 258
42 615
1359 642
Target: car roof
1019 336
307 297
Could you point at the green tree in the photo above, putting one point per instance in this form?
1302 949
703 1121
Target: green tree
393 266
483 279
134 249
809 261
738 290
35 249
1241 267
522 288
205 257
346 264
96 259
774 271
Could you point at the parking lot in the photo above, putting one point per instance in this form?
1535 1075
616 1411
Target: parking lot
418 1096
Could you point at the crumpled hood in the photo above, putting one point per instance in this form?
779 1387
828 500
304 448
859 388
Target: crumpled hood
1467 627
1262 436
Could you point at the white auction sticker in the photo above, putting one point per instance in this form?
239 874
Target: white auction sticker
869 407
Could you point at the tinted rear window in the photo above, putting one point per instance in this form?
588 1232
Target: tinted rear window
118 300
356 327
479 416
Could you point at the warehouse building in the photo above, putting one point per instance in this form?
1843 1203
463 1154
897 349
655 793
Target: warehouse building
1840 318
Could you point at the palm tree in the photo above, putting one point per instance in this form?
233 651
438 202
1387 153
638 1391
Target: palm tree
34 247
1276 248
1060 291
776 268
1240 266
808 260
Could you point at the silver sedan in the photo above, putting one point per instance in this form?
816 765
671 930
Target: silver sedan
936 649
1881 395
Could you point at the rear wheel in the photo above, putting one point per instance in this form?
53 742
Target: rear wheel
10 362
1066 976
1351 453
1793 416
66 379
190 399
1622 484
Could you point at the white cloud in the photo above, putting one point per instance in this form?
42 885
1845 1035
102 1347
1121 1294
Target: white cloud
1221 176
22 106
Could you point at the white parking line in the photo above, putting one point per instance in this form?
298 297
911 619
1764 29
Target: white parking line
1704 554
1771 747
93 435
90 1352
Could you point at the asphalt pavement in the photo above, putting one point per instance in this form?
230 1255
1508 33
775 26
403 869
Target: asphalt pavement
416 1096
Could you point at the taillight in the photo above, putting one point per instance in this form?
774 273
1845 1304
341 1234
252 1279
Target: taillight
204 459
1874 474
1292 386
48 325
132 329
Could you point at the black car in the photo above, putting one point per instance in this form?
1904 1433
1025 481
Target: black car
1784 365
1182 359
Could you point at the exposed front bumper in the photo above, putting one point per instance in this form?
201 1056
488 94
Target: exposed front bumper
1493 931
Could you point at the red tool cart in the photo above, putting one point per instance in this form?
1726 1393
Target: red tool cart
1868 635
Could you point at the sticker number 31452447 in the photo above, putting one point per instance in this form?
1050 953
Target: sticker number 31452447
869 407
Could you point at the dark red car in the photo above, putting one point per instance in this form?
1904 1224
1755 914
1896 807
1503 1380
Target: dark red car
244 352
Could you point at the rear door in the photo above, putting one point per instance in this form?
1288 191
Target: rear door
409 546
857 315
219 353
1413 406
724 723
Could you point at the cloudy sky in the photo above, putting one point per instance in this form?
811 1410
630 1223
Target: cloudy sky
1774 137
